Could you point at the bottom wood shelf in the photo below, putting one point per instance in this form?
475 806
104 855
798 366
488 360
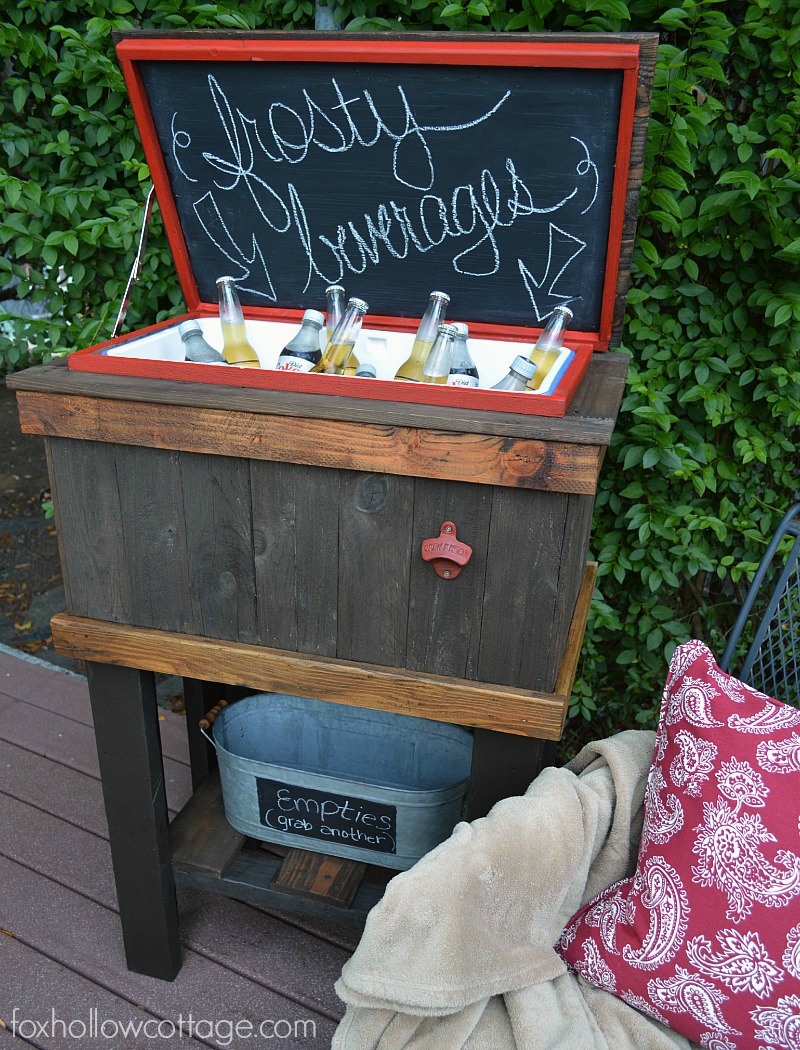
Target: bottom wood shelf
208 854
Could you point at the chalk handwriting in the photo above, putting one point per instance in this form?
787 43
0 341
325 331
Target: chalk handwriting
469 214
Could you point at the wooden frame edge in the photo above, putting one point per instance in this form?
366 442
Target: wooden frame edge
499 708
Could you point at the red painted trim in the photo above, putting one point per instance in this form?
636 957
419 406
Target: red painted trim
489 52
617 216
92 360
158 172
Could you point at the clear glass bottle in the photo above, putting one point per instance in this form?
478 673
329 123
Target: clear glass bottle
236 348
411 369
520 372
548 345
437 367
343 338
463 371
195 345
302 351
336 303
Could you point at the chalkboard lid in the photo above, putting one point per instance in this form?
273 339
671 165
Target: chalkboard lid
163 72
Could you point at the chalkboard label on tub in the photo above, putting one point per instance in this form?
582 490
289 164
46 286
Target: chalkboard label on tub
329 818
496 170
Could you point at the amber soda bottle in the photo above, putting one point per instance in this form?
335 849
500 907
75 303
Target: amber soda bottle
548 345
339 350
236 348
411 369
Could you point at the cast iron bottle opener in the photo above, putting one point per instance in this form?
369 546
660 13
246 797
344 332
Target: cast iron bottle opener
447 554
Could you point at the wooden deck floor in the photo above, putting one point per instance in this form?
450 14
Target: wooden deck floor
62 968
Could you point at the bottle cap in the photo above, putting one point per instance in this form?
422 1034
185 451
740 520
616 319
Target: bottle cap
447 329
442 296
565 310
461 328
359 304
524 366
366 371
226 280
188 326
334 288
315 317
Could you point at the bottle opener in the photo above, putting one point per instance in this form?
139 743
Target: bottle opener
446 553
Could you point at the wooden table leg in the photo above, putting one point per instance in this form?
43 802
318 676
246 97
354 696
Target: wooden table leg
129 749
503 765
199 697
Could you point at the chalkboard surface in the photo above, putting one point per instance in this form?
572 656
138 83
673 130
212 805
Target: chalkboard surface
329 818
492 183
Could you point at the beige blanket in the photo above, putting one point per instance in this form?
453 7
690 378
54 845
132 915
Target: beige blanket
458 953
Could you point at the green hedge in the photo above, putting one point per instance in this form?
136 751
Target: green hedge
704 458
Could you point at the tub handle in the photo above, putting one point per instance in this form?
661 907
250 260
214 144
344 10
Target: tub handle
208 720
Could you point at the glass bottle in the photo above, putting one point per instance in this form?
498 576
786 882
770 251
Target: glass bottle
411 369
336 301
520 372
302 351
463 371
342 340
437 367
548 345
235 349
196 347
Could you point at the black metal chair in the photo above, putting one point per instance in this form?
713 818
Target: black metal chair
772 663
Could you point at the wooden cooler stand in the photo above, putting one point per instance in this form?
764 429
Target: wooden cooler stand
263 533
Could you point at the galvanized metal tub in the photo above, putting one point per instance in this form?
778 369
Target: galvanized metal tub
368 785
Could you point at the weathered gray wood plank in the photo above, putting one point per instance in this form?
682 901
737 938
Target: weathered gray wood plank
375 517
219 546
296 533
86 494
154 528
444 616
521 601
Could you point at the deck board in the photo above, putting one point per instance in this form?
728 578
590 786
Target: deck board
63 950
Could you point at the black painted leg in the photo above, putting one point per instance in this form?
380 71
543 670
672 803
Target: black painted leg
503 765
129 749
199 697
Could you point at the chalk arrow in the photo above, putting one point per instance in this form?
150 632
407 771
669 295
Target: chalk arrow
563 248
248 265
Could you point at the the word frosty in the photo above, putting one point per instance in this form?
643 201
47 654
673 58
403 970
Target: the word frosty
286 136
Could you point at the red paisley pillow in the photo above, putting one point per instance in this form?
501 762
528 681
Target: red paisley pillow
705 937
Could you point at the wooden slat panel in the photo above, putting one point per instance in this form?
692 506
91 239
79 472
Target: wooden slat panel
588 420
296 531
375 519
444 616
520 641
316 876
200 841
506 710
219 546
477 458
89 519
154 528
